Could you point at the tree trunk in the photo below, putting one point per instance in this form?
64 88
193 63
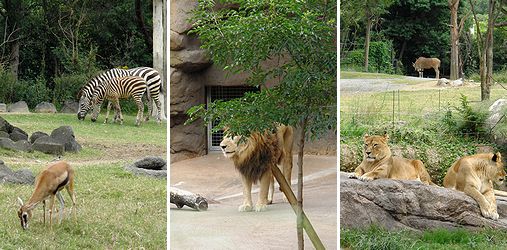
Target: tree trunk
367 41
301 147
453 5
142 26
159 49
182 198
14 15
488 54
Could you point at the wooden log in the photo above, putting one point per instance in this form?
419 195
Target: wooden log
182 198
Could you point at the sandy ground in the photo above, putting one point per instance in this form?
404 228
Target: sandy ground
223 227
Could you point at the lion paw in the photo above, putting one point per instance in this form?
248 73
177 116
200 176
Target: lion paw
260 207
490 214
245 208
352 176
365 178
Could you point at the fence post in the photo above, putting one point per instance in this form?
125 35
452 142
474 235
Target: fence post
394 97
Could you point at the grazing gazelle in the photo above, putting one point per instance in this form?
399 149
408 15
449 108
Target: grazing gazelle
48 184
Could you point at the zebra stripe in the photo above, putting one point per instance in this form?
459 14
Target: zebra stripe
117 88
150 75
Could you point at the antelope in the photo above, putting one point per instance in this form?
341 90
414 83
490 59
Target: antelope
48 184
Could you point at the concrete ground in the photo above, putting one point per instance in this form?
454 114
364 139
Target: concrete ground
223 227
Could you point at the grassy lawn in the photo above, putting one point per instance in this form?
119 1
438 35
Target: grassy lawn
116 210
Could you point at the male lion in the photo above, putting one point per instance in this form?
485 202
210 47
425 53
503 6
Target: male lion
427 63
254 157
474 175
378 162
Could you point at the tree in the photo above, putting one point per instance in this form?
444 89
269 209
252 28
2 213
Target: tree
300 36
373 10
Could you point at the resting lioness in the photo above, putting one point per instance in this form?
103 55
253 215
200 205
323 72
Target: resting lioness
378 162
474 175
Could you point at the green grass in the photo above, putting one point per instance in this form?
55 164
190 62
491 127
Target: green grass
378 239
116 210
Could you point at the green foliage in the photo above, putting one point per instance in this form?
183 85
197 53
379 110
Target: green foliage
33 92
378 238
8 93
299 35
470 121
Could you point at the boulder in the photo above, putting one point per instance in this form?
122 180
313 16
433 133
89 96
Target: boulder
181 11
70 106
410 205
187 90
5 126
177 41
18 107
23 145
443 82
190 60
495 113
457 83
3 107
149 166
18 134
7 143
65 135
48 145
37 135
45 107
23 176
4 134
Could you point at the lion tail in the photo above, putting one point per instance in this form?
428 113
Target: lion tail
424 176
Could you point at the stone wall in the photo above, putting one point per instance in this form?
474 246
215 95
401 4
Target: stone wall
191 70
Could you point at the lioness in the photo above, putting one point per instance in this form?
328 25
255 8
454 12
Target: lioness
254 157
378 162
474 175
427 63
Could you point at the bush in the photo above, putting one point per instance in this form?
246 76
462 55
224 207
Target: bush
469 122
380 59
33 92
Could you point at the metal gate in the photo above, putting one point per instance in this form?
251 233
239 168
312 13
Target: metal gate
222 93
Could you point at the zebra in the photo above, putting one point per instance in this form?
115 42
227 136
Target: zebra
150 75
113 90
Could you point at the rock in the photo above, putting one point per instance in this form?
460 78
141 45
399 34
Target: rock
7 143
65 135
395 205
18 107
457 83
150 166
3 107
48 145
70 106
23 145
4 134
18 134
45 107
5 126
187 141
443 82
177 41
190 60
495 113
23 176
37 135
181 12
151 162
186 91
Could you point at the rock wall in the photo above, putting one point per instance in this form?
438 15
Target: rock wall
396 205
191 70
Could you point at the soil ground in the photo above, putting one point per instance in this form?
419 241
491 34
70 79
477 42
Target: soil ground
223 227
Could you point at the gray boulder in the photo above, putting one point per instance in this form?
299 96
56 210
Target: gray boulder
45 107
23 176
23 145
7 143
18 134
48 145
5 126
396 205
18 107
65 135
37 135
150 166
3 107
4 134
70 106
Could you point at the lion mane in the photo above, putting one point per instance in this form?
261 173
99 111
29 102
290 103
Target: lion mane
378 162
254 156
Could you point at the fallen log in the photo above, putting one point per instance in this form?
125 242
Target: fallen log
182 198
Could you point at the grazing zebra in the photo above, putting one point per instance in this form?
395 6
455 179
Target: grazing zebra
113 90
150 75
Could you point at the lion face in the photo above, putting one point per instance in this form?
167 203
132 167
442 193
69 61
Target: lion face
500 172
375 147
230 146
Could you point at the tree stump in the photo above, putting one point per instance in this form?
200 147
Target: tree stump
181 198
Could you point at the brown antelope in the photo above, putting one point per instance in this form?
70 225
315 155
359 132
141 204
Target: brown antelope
48 184
427 63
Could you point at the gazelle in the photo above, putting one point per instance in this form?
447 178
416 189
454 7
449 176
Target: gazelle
48 184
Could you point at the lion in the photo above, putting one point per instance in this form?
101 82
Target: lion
474 175
427 63
254 157
378 163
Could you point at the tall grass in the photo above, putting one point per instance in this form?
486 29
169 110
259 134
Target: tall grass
115 209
